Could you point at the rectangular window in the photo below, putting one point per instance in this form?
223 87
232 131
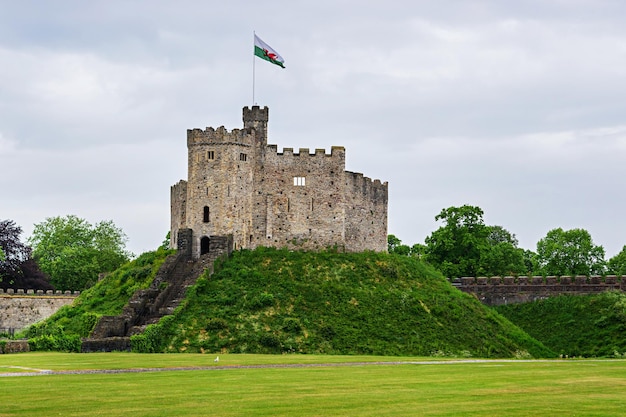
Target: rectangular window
210 155
243 157
299 181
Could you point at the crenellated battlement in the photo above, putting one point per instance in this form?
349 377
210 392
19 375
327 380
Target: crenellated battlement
256 114
221 135
366 185
22 292
335 151
509 290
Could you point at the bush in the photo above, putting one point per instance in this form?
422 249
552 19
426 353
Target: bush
59 343
155 338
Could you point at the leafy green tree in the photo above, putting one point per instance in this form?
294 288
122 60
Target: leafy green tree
165 245
530 261
73 252
502 256
465 246
394 245
392 242
569 252
418 250
455 248
617 264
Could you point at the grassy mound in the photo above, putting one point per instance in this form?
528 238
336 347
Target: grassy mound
575 325
278 301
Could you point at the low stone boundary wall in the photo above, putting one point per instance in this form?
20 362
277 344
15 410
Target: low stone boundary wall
21 308
14 346
11 291
507 290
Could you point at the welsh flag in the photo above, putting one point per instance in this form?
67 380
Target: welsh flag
264 51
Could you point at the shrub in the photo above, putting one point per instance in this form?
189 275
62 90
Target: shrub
58 342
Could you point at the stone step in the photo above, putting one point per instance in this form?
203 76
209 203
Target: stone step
109 344
137 330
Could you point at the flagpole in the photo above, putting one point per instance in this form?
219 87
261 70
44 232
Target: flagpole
253 66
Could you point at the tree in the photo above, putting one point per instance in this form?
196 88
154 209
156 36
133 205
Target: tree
394 245
73 252
617 264
166 242
530 261
418 250
455 247
569 252
465 246
501 256
17 268
13 250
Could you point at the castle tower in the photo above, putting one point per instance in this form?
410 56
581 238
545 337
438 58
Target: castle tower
239 185
220 180
257 119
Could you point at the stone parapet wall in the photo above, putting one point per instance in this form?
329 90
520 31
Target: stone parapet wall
20 292
22 308
14 346
509 290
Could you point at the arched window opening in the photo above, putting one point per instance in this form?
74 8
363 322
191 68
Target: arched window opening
205 215
204 245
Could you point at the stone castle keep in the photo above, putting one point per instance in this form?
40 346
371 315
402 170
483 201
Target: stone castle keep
240 186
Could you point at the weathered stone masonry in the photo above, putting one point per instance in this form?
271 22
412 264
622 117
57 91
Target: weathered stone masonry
239 185
21 308
510 290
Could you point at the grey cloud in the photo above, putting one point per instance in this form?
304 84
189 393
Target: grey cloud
513 106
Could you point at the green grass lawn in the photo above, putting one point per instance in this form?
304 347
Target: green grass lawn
491 388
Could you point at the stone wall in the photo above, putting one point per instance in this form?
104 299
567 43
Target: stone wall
366 213
21 308
304 199
509 290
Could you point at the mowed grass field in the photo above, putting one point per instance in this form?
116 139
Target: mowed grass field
294 385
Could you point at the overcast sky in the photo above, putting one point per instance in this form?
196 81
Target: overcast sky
517 107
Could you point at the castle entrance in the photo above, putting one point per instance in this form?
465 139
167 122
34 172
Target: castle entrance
204 245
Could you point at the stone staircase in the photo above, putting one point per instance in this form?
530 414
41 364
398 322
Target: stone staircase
148 306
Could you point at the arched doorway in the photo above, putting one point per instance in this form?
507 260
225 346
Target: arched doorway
204 245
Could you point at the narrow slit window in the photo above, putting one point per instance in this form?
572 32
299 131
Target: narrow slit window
210 155
205 214
299 181
243 157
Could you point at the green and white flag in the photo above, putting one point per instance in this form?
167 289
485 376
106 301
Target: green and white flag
264 51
